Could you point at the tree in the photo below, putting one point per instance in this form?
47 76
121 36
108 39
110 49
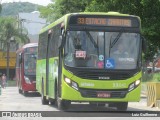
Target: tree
8 31
47 12
62 7
12 9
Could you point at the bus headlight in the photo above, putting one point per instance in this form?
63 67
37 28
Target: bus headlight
133 85
67 80
137 82
71 83
27 80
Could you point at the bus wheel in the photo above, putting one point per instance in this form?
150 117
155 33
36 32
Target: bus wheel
24 93
63 104
122 106
20 91
43 98
52 102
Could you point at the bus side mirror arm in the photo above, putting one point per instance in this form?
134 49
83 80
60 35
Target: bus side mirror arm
61 40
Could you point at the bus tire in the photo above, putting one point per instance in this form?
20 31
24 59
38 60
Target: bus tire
43 98
20 91
61 104
25 93
122 106
52 102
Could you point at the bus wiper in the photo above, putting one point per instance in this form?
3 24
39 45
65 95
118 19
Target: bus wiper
92 40
117 38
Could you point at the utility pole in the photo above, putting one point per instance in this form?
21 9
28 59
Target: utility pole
8 45
8 56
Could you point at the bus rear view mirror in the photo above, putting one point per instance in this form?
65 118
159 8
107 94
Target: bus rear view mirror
20 58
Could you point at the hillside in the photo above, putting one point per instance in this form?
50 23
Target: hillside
12 9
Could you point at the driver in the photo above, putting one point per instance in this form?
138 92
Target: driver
120 52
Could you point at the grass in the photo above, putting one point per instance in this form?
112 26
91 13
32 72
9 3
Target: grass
11 83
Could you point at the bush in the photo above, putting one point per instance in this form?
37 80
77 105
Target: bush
156 77
147 76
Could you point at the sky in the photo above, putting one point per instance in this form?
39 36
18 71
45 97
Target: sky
40 2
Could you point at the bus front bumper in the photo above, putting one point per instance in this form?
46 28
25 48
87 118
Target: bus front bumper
29 87
83 95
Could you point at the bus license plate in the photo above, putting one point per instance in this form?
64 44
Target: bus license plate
103 95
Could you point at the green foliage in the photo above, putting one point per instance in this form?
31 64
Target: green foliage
11 83
156 77
8 29
61 7
147 76
47 12
12 9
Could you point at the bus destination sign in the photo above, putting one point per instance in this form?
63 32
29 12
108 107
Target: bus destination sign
104 21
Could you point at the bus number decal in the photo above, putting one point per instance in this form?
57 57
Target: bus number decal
119 85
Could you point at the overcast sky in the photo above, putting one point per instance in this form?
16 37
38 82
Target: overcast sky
40 2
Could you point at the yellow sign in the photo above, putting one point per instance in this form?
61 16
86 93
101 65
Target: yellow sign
3 62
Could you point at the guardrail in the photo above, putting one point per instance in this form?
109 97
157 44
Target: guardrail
153 94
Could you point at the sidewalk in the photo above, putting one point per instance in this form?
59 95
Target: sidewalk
143 90
143 94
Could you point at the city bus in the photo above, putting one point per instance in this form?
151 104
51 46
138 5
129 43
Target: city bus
26 68
76 61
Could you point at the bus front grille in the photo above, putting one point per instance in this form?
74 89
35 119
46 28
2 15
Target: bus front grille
102 74
90 93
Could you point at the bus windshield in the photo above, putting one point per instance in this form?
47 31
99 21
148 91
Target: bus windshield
30 63
102 50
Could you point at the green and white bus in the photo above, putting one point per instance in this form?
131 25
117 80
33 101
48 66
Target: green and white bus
77 61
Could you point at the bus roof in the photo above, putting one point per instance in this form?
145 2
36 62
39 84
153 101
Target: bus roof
30 45
83 13
27 46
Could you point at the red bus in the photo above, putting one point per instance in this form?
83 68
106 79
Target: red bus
26 68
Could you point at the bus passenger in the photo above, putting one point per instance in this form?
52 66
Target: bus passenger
3 81
120 52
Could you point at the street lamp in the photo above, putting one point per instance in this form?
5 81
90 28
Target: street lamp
8 49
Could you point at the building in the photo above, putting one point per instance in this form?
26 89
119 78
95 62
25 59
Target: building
31 24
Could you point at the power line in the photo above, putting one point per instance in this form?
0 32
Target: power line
31 21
